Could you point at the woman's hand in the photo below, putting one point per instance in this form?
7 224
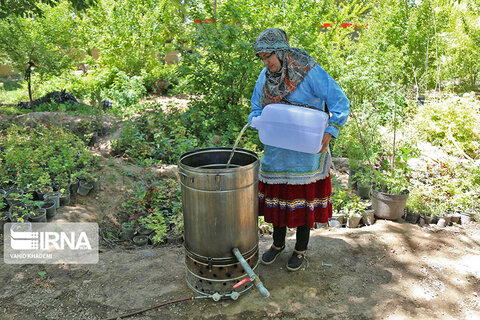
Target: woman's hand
325 141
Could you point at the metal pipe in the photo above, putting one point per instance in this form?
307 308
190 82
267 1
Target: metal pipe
256 280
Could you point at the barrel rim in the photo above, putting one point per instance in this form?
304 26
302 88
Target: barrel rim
388 196
229 170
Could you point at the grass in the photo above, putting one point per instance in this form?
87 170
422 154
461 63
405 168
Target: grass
11 91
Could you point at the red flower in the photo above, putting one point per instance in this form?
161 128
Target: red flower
149 209
155 190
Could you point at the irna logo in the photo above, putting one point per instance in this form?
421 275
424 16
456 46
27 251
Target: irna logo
73 243
21 240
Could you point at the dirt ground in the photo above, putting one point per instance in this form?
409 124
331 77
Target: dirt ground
390 270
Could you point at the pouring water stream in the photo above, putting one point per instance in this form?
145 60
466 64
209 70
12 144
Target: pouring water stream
236 143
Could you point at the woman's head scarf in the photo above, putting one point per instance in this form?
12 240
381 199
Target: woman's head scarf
295 62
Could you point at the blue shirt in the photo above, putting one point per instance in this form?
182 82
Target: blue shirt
286 166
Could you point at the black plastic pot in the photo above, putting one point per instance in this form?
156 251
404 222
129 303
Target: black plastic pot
175 238
140 240
84 187
412 217
50 208
142 230
41 193
53 195
11 214
40 215
363 190
127 233
65 198
12 200
3 219
455 218
427 219
74 186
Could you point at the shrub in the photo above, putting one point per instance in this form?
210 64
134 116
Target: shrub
346 201
155 135
451 124
31 158
126 91
157 204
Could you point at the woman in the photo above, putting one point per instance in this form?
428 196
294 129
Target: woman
295 187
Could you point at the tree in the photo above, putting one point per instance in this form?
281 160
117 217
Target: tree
132 35
19 7
40 43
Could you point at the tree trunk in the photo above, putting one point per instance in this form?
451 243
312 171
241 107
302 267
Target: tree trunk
28 77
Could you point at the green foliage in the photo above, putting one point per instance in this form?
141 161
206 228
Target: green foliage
420 201
163 80
393 175
42 43
131 35
221 65
129 224
155 221
452 124
125 91
156 135
222 68
31 159
364 175
460 41
157 204
19 8
392 182
346 202
447 186
10 92
18 213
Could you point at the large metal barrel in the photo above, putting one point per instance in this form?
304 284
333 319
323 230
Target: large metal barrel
220 208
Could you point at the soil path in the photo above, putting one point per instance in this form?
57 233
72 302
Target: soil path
390 270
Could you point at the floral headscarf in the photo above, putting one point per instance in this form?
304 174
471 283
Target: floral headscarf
296 63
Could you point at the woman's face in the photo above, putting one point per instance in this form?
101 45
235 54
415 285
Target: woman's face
271 61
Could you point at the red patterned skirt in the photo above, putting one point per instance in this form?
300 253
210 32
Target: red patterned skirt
295 205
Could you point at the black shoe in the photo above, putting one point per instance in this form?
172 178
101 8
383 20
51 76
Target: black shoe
295 262
271 254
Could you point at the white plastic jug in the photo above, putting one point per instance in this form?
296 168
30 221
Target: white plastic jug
291 127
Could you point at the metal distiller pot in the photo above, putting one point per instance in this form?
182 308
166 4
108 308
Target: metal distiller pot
220 208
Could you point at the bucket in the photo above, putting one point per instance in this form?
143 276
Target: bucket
388 206
220 208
